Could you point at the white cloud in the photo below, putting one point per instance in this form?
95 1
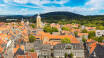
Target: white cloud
60 2
96 4
21 1
3 5
91 7
37 2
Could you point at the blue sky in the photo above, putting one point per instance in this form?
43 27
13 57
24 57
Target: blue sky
28 7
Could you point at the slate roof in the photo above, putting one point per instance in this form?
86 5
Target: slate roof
71 45
99 51
19 52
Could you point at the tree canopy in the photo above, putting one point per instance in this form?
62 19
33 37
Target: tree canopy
99 39
84 31
65 40
33 25
65 28
91 34
50 29
31 38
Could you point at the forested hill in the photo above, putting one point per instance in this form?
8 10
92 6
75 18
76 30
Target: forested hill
55 16
60 15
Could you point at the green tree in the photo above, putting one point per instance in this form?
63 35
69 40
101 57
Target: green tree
71 55
54 29
65 40
65 28
50 29
100 27
32 50
76 34
91 34
83 39
33 25
99 39
66 55
84 31
31 38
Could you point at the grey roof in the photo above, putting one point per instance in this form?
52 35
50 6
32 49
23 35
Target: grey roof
42 47
99 51
68 46
19 52
38 45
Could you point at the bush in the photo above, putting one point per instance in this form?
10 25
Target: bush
83 40
91 34
65 40
84 31
99 39
65 28
32 50
50 29
31 38
76 34
33 25
71 55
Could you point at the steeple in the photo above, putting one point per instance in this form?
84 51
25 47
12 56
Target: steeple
27 22
22 21
38 21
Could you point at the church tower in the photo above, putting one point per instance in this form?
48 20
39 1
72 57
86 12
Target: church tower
22 21
38 21
27 22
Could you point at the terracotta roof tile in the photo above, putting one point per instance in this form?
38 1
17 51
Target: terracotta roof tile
90 40
21 56
92 47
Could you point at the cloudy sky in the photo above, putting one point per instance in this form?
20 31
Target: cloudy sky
28 7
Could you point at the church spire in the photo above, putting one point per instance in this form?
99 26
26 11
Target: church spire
38 21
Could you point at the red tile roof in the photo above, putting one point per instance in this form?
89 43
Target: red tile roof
28 55
50 36
92 47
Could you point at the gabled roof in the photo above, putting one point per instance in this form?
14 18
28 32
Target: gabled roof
81 34
92 47
49 36
19 52
90 40
28 55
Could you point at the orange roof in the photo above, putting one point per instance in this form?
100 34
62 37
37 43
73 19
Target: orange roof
81 34
1 50
28 55
92 46
17 47
101 43
90 40
22 47
50 36
88 28
20 56
32 54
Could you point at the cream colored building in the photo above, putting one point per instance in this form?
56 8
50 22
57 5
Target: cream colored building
38 21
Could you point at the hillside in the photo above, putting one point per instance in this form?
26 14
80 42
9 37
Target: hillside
60 15
54 17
